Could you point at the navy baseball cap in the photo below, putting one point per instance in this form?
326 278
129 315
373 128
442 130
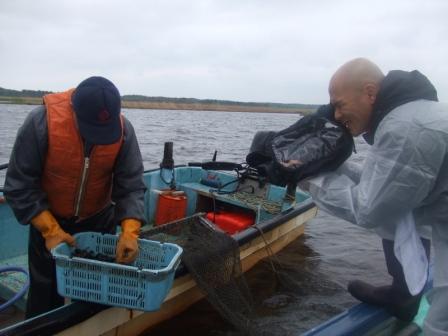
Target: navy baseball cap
97 105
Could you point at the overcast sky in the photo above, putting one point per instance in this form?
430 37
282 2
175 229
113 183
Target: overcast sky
270 51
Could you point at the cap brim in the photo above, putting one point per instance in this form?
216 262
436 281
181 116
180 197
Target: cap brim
101 134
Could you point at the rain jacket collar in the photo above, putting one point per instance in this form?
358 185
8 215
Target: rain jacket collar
398 88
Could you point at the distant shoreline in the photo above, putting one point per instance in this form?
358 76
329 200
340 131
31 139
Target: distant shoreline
176 106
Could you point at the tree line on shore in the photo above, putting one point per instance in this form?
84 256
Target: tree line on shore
140 101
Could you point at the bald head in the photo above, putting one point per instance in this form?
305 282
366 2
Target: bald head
353 90
355 74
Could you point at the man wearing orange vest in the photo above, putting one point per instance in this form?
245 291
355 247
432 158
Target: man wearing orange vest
76 166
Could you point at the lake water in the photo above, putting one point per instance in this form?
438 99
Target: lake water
314 270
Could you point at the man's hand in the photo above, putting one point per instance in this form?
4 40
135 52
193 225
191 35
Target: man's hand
49 227
58 237
127 246
291 163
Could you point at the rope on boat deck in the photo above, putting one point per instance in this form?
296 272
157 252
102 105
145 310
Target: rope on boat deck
254 202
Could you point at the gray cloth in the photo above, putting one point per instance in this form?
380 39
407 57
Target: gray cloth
405 171
23 178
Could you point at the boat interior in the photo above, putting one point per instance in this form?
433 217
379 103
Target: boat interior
202 191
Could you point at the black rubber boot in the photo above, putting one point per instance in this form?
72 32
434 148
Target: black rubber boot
401 305
396 298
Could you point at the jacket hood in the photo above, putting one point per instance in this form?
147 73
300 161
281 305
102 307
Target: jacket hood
398 88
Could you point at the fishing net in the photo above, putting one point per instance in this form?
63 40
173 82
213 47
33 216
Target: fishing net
212 259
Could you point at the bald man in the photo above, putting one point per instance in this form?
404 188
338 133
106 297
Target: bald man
402 189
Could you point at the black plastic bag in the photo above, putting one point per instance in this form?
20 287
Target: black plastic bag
311 146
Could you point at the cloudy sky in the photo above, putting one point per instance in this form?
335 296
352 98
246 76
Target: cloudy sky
253 50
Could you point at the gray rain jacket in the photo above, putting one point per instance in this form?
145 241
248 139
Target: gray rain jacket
405 171
23 185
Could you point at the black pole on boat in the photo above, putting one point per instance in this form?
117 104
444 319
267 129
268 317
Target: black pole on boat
290 195
168 163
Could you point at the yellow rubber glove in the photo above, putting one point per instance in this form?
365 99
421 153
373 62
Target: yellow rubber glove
127 246
49 227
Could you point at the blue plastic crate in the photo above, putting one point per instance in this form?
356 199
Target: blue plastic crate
143 285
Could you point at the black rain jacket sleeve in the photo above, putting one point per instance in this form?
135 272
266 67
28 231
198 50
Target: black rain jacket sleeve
23 189
128 190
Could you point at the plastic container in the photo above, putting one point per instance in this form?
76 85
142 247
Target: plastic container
171 206
231 222
143 285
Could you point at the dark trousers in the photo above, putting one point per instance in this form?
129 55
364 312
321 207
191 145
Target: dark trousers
42 295
394 267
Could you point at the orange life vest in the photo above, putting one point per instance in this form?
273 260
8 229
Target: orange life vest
69 193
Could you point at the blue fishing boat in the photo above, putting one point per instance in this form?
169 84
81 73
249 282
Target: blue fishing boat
277 221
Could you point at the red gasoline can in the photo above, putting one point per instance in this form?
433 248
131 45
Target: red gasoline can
231 222
171 205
